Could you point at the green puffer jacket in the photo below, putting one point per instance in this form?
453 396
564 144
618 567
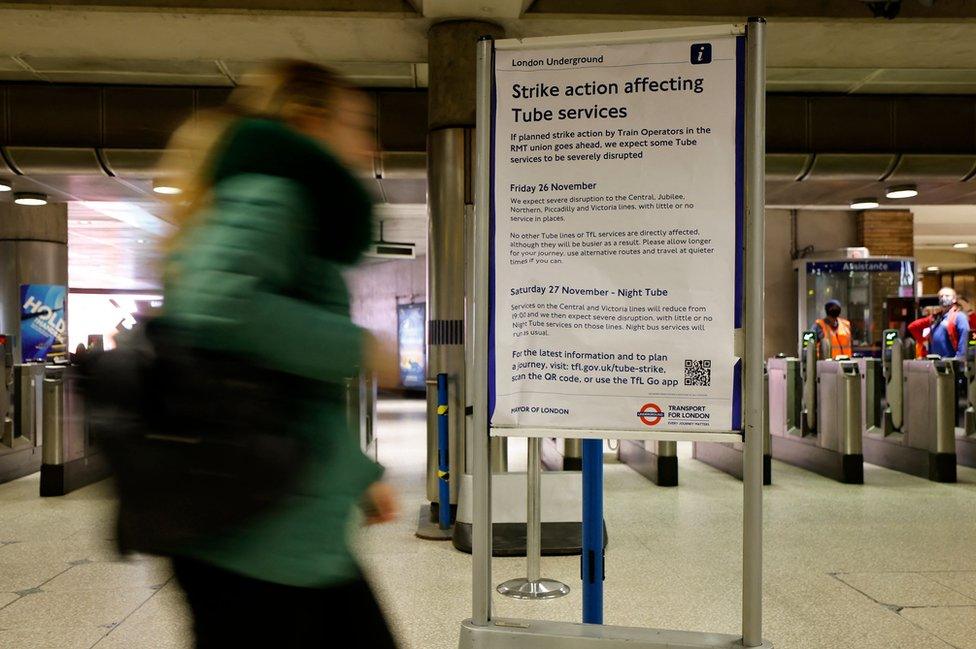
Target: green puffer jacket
259 274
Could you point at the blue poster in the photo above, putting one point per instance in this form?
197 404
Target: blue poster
411 343
42 324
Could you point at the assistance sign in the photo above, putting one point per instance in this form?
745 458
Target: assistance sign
616 237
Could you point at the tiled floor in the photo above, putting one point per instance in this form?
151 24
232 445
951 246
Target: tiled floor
888 564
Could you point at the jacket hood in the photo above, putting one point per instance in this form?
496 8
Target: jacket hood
341 208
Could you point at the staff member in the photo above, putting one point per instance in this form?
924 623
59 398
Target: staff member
945 331
835 329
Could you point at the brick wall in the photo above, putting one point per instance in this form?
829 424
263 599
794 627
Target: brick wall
887 232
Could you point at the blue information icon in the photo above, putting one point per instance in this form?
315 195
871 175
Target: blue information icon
701 53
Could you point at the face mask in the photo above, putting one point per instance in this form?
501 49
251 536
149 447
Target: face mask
946 300
833 312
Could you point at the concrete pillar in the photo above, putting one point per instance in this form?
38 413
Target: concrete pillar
33 250
451 119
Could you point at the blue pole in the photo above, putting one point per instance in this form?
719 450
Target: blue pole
443 463
592 559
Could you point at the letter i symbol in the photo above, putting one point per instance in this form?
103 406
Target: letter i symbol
701 53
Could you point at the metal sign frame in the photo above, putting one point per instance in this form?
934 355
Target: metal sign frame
664 432
482 630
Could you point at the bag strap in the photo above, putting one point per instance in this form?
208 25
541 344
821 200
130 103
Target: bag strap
952 329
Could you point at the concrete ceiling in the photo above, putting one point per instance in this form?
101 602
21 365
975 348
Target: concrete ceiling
823 46
383 42
937 229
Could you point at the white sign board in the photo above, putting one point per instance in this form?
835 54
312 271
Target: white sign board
616 237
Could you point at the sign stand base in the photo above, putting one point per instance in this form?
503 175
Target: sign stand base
537 634
523 588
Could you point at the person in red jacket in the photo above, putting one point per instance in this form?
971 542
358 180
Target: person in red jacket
946 330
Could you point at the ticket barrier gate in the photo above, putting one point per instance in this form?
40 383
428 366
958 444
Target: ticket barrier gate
815 413
361 397
21 430
71 458
909 412
966 423
727 457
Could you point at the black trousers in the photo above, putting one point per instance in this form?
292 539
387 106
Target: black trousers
230 610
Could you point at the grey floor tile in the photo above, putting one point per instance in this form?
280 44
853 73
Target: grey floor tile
963 582
105 576
79 637
956 625
20 575
38 550
73 608
905 589
162 622
674 560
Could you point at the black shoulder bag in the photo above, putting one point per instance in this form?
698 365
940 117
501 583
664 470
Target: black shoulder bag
199 442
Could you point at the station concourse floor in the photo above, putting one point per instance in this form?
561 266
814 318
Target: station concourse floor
888 564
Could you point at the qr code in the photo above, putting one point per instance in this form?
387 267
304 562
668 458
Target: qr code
698 372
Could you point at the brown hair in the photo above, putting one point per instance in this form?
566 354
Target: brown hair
282 90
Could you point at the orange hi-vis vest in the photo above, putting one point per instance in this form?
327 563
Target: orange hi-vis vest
840 338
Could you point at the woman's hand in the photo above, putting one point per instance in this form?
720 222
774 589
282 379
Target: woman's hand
384 504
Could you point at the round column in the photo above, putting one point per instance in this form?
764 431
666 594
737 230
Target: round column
33 250
451 119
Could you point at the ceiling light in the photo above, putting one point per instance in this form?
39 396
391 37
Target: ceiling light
961 244
167 189
932 269
141 241
30 198
868 203
5 186
902 191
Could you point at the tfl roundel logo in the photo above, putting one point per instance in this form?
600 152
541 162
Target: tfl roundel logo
651 414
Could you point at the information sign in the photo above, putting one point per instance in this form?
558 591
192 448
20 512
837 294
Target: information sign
616 257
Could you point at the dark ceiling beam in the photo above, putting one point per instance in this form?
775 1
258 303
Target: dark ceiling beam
359 6
143 117
846 9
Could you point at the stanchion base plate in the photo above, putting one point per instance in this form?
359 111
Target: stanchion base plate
429 530
522 588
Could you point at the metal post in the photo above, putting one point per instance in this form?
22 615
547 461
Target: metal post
533 509
53 420
755 147
810 387
533 586
481 526
592 556
945 408
850 376
895 387
445 293
443 462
